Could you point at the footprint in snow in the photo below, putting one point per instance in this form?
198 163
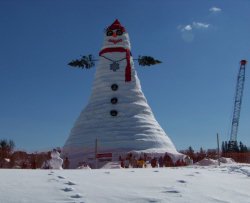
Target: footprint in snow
149 199
68 189
70 183
172 191
61 177
153 200
76 196
181 181
107 172
53 179
190 175
156 171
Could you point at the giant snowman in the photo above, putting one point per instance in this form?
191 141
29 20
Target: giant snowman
117 117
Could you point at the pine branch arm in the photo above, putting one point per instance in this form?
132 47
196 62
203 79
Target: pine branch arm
87 62
147 61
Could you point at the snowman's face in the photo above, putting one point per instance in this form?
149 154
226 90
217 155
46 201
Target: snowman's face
116 38
55 154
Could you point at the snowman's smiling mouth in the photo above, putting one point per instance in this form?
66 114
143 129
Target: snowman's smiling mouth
115 41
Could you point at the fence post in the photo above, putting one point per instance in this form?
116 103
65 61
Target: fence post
96 145
218 148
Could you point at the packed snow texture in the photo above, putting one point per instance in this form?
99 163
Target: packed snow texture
228 183
133 129
210 162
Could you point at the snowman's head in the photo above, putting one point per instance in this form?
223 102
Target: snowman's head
116 36
55 154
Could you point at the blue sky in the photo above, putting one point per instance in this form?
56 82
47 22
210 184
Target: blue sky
191 92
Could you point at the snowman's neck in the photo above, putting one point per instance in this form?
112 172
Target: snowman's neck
128 54
114 49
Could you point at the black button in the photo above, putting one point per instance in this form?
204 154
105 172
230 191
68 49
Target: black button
113 113
114 87
114 100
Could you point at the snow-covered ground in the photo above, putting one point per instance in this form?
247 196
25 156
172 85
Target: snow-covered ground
201 184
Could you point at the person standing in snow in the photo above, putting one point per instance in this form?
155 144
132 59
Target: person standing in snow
122 163
154 163
66 163
126 163
140 163
160 162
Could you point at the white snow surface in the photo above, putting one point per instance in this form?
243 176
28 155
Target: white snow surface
133 129
228 183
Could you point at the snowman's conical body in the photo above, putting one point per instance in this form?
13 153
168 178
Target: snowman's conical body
117 114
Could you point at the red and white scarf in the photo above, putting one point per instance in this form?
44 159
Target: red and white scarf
121 49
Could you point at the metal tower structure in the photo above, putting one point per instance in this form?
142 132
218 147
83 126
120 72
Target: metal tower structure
237 106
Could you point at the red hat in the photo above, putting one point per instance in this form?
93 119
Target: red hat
116 25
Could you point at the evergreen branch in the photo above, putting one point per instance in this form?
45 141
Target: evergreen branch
88 62
84 62
147 61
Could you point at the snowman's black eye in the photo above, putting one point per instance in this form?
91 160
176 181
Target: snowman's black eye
119 32
109 33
